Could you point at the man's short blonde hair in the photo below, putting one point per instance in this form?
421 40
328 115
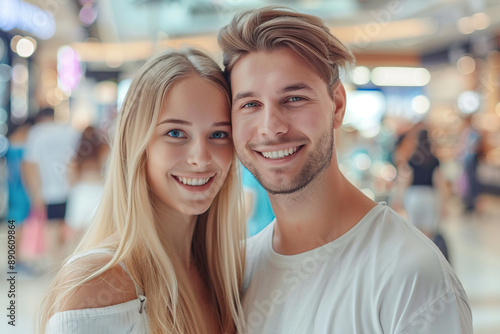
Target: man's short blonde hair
271 28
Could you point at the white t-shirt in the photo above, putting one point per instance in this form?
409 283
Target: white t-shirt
51 146
382 276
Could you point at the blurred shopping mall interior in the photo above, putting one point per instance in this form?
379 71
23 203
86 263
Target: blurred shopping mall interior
432 64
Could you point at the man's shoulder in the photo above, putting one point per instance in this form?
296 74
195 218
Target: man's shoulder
392 240
391 225
415 260
408 268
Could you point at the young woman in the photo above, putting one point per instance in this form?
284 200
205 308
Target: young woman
426 187
165 252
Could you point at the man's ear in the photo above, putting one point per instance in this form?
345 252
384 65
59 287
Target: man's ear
339 102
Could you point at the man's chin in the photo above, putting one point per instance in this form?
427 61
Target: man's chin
283 189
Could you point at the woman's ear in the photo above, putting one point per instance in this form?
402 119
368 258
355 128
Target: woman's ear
339 103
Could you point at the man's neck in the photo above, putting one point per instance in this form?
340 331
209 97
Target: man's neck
321 212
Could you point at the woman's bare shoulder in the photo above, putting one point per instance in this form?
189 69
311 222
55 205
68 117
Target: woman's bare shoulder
112 287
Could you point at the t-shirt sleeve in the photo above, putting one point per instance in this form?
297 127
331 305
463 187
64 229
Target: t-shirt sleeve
449 314
431 299
424 295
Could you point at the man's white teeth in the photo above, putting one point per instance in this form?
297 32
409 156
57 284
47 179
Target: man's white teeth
192 182
279 154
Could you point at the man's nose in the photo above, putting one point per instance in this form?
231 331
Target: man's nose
273 122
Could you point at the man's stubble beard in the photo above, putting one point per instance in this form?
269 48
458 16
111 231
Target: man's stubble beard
317 161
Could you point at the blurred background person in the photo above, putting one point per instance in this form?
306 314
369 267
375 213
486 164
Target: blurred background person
470 145
85 176
426 191
404 143
18 202
402 150
49 148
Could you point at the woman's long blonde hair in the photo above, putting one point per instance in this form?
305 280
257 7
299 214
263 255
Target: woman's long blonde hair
127 211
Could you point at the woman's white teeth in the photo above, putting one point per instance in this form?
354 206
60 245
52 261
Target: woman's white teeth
192 181
279 154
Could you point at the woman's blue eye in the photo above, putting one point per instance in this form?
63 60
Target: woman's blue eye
250 105
219 135
175 134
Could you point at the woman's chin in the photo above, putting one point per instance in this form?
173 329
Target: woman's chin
196 208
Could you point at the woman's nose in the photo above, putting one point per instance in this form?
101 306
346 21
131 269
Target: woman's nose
199 154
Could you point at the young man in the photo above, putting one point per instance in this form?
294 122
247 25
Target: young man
48 149
333 261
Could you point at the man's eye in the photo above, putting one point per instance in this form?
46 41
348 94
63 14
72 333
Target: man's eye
175 134
250 105
219 135
295 99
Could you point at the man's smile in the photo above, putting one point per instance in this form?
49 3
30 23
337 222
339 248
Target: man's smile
280 153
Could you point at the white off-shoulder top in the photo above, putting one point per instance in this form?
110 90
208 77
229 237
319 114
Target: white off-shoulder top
129 317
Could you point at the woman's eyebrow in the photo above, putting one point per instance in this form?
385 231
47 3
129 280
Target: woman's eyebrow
175 121
225 123
183 122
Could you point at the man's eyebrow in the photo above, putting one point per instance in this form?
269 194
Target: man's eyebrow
243 95
291 88
294 87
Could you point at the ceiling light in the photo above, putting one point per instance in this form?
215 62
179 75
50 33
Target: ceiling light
388 173
361 75
362 161
25 48
466 65
466 25
468 102
88 14
481 21
27 17
420 104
